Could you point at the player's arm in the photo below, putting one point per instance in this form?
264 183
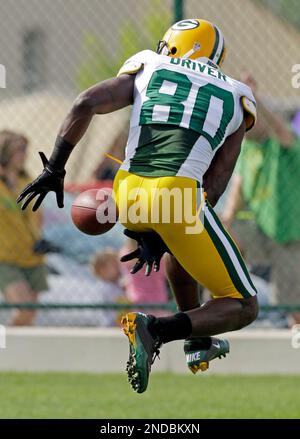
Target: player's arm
234 201
106 97
269 125
217 176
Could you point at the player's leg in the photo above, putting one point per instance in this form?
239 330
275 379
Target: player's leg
222 315
212 258
186 292
17 289
185 289
129 189
23 285
20 292
180 281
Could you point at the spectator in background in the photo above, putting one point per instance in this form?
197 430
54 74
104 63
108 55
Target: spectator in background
141 289
22 269
296 123
267 179
105 265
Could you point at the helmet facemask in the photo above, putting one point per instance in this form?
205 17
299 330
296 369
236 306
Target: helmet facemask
163 48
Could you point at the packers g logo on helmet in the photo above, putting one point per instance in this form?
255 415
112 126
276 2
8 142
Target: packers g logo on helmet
185 24
194 39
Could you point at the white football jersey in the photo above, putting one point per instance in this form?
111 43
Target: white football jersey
182 113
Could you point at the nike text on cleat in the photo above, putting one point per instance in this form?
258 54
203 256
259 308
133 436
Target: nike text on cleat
198 357
143 349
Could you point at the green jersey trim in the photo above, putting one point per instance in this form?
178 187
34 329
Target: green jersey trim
161 150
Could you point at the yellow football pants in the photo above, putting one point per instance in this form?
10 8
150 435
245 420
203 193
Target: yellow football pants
207 253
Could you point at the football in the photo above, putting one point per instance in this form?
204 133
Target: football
94 211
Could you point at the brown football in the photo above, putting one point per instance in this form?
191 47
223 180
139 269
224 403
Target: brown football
94 211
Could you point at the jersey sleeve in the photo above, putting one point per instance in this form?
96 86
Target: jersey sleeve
249 107
248 103
134 64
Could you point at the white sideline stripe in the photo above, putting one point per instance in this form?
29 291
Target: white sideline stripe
105 350
113 332
230 252
60 331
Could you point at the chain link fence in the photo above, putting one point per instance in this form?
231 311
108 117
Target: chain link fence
51 50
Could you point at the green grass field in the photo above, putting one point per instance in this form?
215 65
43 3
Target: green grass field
65 395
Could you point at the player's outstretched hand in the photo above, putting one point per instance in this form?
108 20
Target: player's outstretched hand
149 251
49 180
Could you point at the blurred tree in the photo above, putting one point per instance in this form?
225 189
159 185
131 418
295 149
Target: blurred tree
286 9
100 63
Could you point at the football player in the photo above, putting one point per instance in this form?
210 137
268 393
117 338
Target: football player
187 124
